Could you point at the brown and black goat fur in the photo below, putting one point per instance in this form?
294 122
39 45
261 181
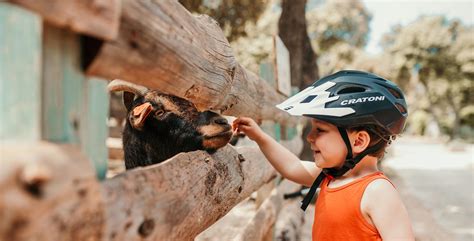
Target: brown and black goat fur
159 126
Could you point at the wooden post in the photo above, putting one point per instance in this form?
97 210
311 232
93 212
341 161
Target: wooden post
95 132
63 87
20 73
74 108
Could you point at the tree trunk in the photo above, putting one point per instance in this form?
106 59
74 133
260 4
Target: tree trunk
292 31
304 70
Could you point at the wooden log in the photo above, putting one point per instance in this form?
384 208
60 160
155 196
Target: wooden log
257 229
174 200
74 107
260 227
48 192
179 198
162 46
290 221
98 18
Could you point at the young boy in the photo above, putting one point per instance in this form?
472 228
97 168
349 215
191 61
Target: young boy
354 116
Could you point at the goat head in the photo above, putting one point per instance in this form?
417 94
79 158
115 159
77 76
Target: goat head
159 126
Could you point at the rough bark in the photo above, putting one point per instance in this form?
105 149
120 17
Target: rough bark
267 214
179 198
49 192
162 46
98 18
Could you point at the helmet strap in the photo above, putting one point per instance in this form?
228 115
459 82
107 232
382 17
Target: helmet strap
349 163
345 137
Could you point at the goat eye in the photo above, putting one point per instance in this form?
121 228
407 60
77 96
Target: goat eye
159 112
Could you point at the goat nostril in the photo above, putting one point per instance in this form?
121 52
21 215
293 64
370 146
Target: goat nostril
221 121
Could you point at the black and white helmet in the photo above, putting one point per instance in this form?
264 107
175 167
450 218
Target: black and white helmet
346 99
352 98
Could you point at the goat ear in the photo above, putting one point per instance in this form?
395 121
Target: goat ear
127 99
139 115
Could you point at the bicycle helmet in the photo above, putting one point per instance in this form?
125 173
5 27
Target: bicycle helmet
347 99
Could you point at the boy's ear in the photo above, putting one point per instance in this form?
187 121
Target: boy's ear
361 141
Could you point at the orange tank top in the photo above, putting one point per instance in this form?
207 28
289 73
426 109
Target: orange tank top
338 215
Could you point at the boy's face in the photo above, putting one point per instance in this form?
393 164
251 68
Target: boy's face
329 149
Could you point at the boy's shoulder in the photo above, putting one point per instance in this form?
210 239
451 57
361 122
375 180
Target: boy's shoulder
380 191
380 185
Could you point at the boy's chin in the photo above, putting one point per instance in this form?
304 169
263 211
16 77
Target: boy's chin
319 164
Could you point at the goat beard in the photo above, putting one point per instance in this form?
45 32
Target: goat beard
213 143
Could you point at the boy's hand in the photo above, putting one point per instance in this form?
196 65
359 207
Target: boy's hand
248 126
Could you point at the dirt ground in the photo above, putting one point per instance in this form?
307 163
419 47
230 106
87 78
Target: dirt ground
435 180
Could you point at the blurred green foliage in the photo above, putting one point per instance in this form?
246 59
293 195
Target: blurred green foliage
433 59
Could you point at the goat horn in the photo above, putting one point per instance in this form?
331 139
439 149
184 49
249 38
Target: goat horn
122 85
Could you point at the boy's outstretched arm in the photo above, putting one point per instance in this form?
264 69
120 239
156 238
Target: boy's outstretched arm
383 204
284 161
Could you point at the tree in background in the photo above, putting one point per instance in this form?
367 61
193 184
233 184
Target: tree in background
338 31
293 32
434 58
231 15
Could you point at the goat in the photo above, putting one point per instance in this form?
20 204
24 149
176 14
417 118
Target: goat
159 126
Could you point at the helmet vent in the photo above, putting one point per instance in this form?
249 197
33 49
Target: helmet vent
352 89
308 99
401 108
395 93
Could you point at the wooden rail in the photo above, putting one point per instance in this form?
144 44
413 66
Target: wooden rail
162 46
49 192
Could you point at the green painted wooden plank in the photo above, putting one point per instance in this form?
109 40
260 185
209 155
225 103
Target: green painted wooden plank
267 72
53 108
96 130
20 73
63 86
75 109
74 88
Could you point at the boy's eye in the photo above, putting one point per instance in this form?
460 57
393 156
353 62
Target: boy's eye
319 130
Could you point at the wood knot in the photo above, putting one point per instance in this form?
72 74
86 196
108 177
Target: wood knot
34 177
192 92
231 72
241 158
146 228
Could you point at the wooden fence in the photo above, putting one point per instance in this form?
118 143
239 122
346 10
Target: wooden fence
48 188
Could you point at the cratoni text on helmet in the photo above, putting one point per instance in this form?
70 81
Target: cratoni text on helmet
363 99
